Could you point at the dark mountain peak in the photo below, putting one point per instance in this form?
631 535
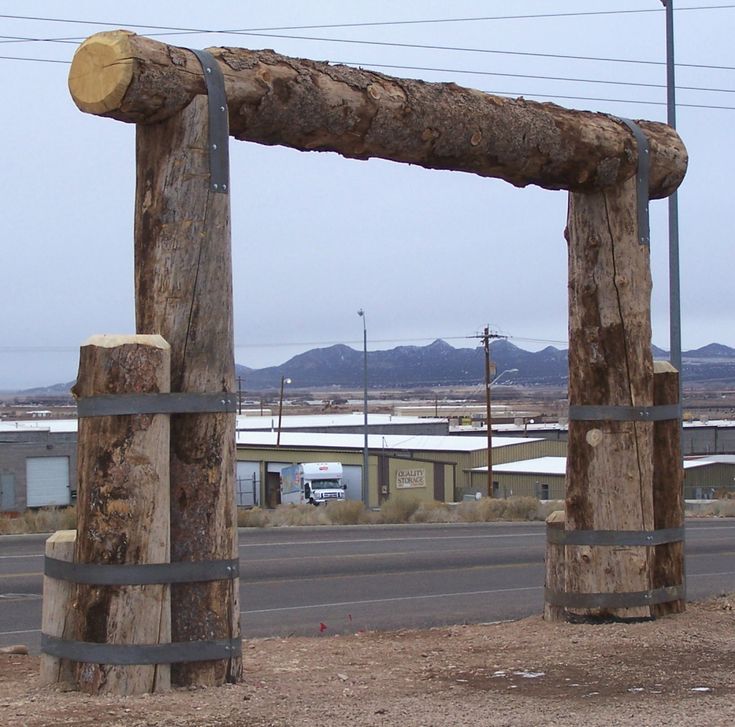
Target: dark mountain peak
712 350
503 344
440 346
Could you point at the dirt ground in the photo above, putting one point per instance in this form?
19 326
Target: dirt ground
676 671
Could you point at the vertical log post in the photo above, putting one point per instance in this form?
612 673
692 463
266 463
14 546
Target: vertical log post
554 568
123 510
668 488
609 463
183 289
57 597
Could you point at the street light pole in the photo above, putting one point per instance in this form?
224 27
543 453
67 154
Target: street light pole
284 380
674 276
365 452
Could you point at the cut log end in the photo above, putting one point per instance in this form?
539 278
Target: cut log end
113 340
101 72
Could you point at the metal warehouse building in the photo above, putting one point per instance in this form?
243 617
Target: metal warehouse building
38 464
543 477
440 466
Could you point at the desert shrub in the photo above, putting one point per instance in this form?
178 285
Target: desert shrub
252 518
43 520
345 512
719 508
522 508
302 514
433 512
398 508
488 509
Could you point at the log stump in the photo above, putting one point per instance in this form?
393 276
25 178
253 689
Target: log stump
123 510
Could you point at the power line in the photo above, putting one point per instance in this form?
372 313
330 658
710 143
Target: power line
534 77
382 23
550 95
263 34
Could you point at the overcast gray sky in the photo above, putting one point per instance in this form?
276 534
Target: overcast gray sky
427 254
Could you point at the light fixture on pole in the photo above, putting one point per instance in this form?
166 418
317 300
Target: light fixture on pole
284 380
365 453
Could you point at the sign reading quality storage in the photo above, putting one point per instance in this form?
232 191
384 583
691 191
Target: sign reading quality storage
406 479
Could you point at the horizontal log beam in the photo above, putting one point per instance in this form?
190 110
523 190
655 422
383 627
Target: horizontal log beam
313 106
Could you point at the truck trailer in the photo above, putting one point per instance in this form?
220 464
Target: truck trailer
313 482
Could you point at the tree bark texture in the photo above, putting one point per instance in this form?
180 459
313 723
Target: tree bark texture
57 598
609 463
313 106
183 289
668 488
123 509
555 569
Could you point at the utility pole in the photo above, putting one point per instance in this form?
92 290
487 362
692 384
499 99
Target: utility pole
485 338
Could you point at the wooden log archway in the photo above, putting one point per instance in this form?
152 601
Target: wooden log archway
311 106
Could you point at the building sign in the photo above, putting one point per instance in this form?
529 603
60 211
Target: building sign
406 479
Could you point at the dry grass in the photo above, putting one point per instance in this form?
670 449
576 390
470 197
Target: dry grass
434 512
399 508
44 520
718 508
346 512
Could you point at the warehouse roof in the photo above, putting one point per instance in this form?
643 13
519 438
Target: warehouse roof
558 465
423 442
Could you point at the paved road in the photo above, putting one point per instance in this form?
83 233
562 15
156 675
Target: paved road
383 577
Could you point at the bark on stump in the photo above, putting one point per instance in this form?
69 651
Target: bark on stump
183 290
57 597
668 488
555 570
123 510
312 106
609 463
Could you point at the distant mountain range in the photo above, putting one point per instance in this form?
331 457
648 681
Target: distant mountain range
440 364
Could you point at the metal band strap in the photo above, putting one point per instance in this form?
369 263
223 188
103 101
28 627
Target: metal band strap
219 134
644 163
615 600
106 405
105 574
658 413
557 536
173 653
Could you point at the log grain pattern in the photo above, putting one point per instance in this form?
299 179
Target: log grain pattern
123 510
314 106
183 291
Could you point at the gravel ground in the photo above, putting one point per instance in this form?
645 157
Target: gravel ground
677 670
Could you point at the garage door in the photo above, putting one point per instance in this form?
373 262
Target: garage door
47 481
352 477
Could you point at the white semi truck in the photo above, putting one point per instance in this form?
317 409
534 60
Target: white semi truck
313 482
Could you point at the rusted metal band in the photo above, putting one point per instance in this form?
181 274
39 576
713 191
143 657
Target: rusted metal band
663 412
557 536
106 405
138 654
615 600
129 574
642 180
218 126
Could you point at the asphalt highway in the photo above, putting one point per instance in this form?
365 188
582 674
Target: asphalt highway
308 581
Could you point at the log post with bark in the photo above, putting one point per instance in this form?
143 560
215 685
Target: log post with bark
123 511
313 106
183 290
